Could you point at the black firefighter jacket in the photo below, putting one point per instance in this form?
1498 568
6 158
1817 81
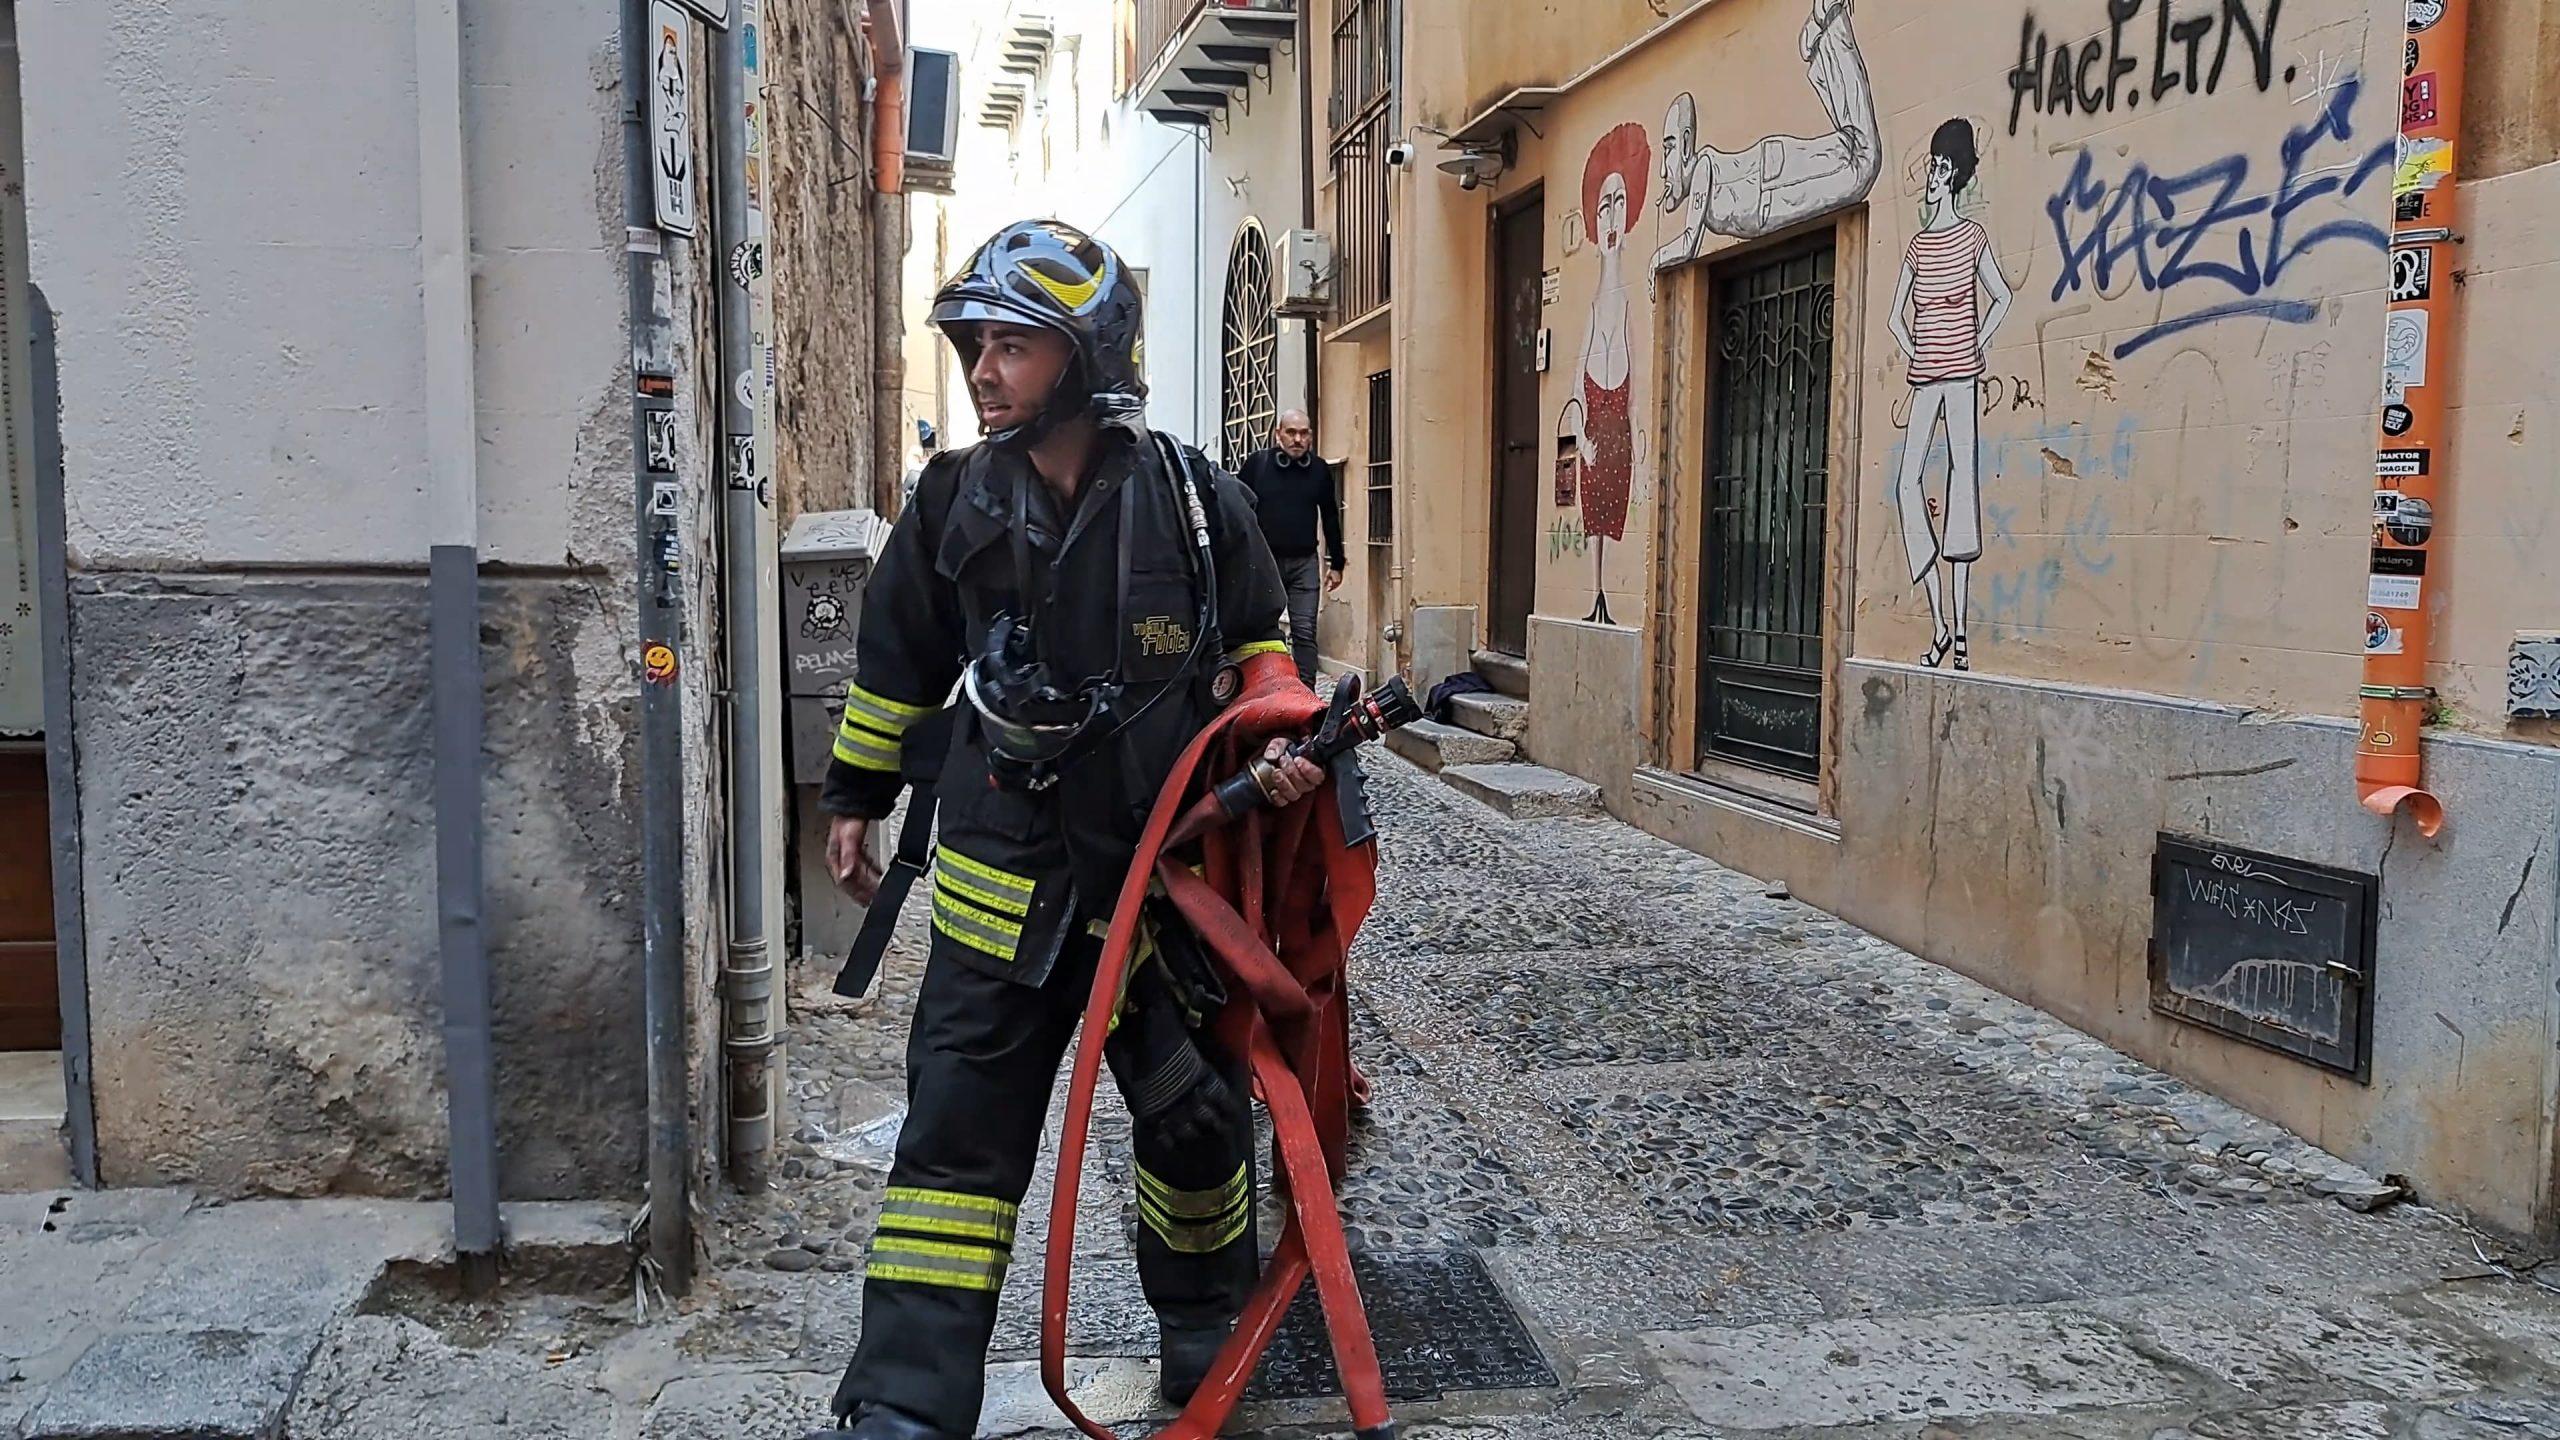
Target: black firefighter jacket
1014 871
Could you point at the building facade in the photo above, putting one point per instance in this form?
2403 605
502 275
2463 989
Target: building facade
302 270
1928 455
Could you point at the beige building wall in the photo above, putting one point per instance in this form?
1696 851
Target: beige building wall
2171 468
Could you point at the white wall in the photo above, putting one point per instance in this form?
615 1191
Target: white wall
224 213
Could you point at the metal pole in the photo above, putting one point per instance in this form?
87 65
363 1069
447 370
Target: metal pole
653 394
747 975
453 643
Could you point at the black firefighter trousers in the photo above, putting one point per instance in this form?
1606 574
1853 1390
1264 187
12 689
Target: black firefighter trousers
982 1059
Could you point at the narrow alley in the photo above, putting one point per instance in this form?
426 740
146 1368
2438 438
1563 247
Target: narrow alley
1653 1155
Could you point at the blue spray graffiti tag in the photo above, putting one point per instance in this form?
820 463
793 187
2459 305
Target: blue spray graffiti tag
2174 228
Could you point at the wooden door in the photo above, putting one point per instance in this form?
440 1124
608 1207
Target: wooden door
1519 247
30 994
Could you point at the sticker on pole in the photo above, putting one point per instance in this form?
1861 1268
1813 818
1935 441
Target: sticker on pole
2404 354
671 118
658 664
2392 592
2400 464
2413 273
2418 101
715 12
2381 637
2423 14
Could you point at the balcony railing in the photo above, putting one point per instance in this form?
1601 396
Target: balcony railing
1159 21
1364 59
1361 238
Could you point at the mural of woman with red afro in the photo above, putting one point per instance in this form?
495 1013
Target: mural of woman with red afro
1613 181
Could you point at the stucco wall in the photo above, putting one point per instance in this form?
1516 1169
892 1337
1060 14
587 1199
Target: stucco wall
2175 436
224 213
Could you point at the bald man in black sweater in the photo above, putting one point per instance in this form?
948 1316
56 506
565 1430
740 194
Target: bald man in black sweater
1293 491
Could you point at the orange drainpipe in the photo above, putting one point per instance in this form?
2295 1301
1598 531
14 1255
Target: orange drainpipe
889 106
2410 465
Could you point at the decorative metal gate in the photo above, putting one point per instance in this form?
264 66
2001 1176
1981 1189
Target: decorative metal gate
1249 389
1768 482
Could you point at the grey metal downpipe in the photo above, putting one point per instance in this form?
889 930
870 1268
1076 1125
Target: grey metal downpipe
653 392
749 1026
453 608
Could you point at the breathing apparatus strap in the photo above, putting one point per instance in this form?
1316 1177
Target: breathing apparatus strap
922 764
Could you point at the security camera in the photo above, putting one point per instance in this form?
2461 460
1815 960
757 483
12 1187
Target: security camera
1400 154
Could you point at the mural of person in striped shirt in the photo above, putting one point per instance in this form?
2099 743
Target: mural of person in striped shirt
1945 334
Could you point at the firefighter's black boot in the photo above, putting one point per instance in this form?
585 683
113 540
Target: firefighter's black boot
1185 1353
881 1423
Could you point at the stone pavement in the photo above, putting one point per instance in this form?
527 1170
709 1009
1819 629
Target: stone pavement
150 1312
1733 1169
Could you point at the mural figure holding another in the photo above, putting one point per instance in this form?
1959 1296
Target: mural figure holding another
1946 345
1780 180
1604 431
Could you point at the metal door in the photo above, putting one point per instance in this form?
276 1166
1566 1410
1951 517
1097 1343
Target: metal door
1767 453
1520 237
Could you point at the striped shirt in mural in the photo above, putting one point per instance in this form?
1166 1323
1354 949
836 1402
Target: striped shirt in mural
1946 325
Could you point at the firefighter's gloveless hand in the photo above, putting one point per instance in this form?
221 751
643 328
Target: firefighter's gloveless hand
849 857
1291 780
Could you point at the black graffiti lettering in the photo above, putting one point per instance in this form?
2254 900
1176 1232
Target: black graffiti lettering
2120 13
2262 42
2191 33
2090 100
2060 74
2026 79
2057 94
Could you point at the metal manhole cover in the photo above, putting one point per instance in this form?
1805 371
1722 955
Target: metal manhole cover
1440 1324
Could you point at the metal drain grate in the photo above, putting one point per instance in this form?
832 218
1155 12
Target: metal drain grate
1440 1323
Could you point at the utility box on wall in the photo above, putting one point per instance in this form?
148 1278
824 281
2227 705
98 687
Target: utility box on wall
827 561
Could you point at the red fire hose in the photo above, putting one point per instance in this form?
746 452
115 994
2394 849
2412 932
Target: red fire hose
1278 900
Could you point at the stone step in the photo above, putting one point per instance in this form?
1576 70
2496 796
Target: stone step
1506 673
1526 792
1432 745
1499 716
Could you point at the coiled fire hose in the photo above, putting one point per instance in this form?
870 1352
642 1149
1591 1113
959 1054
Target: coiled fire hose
1278 899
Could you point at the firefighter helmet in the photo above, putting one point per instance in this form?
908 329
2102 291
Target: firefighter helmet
1050 275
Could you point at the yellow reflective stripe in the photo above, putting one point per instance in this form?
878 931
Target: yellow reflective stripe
980 870
1242 653
947 1212
1202 1239
883 713
1193 1204
863 751
937 1262
975 928
1001 904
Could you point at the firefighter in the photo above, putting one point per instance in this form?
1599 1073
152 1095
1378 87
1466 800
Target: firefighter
1093 590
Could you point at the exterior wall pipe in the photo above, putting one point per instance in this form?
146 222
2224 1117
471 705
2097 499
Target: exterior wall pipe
453 604
748 1022
2411 457
653 390
889 106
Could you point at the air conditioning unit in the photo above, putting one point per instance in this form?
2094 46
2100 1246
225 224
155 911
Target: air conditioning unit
933 119
1304 262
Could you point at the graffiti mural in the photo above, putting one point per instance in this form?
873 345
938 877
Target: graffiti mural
2219 237
1602 421
1945 332
1780 180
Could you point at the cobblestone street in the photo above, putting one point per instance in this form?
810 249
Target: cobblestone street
1733 1167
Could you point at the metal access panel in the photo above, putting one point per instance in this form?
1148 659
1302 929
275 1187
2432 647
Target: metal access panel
1440 1323
2276 952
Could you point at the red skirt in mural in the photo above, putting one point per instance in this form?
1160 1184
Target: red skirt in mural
1610 474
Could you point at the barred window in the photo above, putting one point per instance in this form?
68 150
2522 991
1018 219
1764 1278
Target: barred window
1382 464
1249 385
